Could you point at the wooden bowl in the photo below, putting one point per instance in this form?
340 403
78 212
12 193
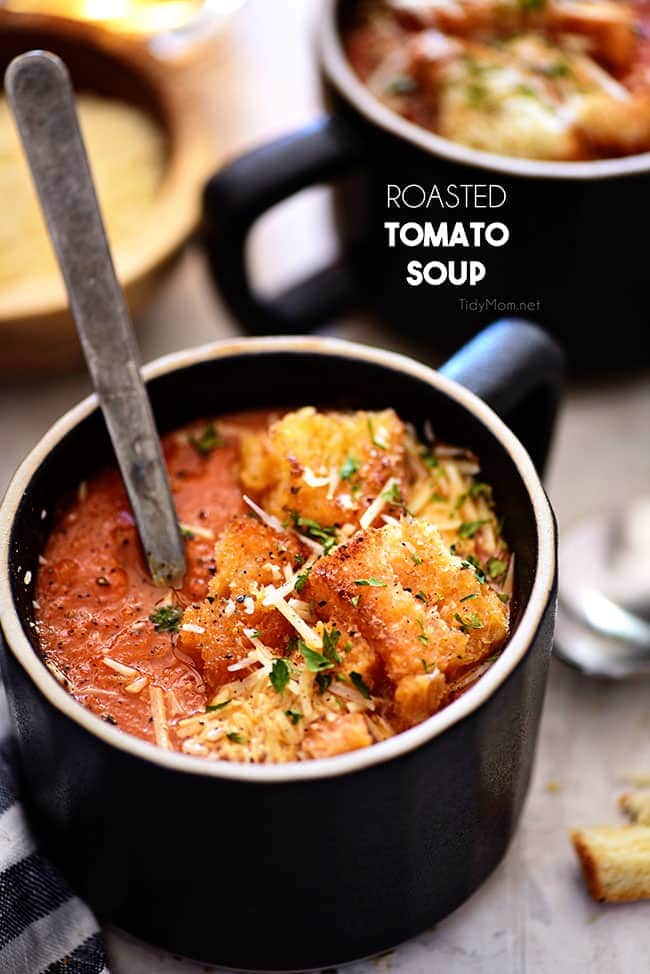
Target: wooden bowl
37 333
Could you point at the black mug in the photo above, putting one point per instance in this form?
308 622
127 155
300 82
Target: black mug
576 259
309 864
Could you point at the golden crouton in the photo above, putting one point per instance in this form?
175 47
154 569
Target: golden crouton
324 469
615 861
346 733
414 604
249 556
614 126
419 696
636 806
609 27
250 553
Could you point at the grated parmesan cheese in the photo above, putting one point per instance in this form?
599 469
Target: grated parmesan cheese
160 726
118 667
198 531
377 506
191 627
269 519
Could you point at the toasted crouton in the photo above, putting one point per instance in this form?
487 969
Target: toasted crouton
607 25
615 861
327 738
615 126
249 557
326 468
415 606
636 806
250 553
419 696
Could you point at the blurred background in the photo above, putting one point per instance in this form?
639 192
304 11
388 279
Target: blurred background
236 74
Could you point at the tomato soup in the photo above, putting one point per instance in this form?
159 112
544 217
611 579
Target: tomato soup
344 581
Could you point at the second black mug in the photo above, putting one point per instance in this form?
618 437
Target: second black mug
575 260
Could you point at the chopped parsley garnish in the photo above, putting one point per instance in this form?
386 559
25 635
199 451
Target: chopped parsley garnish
394 496
472 595
359 683
355 600
416 559
560 69
469 528
187 533
504 598
476 94
427 667
424 639
292 645
349 468
301 581
472 562
208 441
373 438
236 737
478 488
526 90
166 618
370 582
330 641
211 707
496 567
315 662
402 85
423 597
429 459
293 715
317 532
530 5
437 498
323 681
471 622
279 675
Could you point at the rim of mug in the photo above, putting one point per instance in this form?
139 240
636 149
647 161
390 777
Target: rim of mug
340 72
410 740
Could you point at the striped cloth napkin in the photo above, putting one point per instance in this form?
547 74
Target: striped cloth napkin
44 928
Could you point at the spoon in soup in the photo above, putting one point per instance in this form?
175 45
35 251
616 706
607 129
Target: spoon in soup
43 104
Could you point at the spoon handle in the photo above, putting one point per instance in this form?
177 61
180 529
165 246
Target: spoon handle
43 103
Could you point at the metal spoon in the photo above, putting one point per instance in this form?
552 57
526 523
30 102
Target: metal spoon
43 103
604 607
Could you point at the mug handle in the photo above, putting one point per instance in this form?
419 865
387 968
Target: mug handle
518 370
242 191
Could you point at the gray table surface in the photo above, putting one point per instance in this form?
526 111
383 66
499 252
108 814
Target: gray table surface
533 914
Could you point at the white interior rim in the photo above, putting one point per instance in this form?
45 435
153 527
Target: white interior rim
409 740
344 79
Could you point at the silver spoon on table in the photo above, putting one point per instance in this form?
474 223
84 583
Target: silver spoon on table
603 624
43 104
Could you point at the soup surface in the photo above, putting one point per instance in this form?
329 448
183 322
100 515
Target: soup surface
544 79
344 582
